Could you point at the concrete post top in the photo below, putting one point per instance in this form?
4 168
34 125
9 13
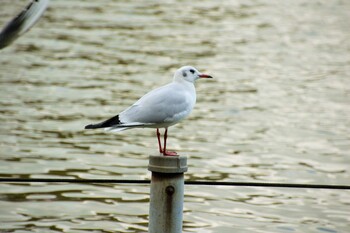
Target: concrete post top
167 164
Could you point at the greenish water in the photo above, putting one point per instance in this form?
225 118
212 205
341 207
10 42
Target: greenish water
277 111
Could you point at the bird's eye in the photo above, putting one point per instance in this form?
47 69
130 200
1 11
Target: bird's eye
192 71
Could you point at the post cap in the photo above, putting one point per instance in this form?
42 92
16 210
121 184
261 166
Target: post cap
167 164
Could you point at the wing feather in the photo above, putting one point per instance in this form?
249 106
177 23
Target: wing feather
165 104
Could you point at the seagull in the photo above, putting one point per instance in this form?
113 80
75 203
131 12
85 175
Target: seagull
22 22
159 108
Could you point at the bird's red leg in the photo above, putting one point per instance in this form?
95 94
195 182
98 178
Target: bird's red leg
165 152
159 144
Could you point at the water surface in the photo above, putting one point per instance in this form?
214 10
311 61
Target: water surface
277 111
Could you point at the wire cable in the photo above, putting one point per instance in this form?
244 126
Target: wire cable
209 183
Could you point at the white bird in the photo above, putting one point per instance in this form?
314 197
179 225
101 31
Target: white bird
22 22
159 108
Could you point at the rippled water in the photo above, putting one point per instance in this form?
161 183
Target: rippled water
277 111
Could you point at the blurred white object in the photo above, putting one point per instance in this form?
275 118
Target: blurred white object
22 22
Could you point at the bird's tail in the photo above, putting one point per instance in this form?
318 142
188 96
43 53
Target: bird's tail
118 129
112 122
121 127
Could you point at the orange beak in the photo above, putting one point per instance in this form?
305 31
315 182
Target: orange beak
205 76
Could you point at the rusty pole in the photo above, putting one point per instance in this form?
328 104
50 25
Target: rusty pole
167 193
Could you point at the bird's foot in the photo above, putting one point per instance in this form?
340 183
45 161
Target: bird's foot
169 153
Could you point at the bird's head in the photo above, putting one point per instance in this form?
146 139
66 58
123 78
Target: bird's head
190 74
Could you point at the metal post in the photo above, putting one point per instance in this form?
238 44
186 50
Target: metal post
167 193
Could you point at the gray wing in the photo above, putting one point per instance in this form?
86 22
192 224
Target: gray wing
162 105
22 22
